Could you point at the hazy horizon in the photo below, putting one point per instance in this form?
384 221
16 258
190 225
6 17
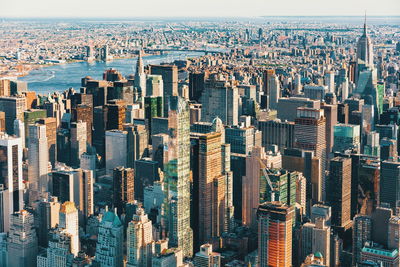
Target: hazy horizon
205 8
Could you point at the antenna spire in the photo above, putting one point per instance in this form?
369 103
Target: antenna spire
365 23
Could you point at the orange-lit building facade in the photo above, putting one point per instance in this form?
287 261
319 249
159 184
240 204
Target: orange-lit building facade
275 234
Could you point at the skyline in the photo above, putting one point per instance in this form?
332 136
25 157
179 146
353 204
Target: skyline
208 8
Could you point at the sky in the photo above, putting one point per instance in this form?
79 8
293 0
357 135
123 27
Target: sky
196 8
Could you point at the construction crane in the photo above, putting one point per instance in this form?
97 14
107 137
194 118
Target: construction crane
264 169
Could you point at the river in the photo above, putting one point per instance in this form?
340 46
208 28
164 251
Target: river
61 77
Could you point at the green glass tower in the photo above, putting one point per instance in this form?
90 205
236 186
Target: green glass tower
178 176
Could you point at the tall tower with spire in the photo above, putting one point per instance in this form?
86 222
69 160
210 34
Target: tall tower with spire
365 48
140 76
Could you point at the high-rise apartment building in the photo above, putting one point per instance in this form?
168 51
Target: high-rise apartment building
275 222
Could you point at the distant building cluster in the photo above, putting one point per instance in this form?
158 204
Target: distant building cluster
281 153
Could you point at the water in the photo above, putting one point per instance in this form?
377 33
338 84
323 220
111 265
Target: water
61 77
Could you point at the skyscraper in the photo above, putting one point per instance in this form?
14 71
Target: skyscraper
11 175
84 113
275 222
78 141
178 175
310 134
196 85
38 157
116 149
154 86
277 132
315 237
14 108
69 224
274 89
109 248
393 233
389 183
86 194
140 76
346 137
22 241
48 217
365 49
4 209
140 243
251 186
220 99
211 188
123 188
116 113
51 134
339 191
169 75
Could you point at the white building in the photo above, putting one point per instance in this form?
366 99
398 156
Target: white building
38 156
140 240
69 223
78 141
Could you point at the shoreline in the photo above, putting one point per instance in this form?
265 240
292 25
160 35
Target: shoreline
37 66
